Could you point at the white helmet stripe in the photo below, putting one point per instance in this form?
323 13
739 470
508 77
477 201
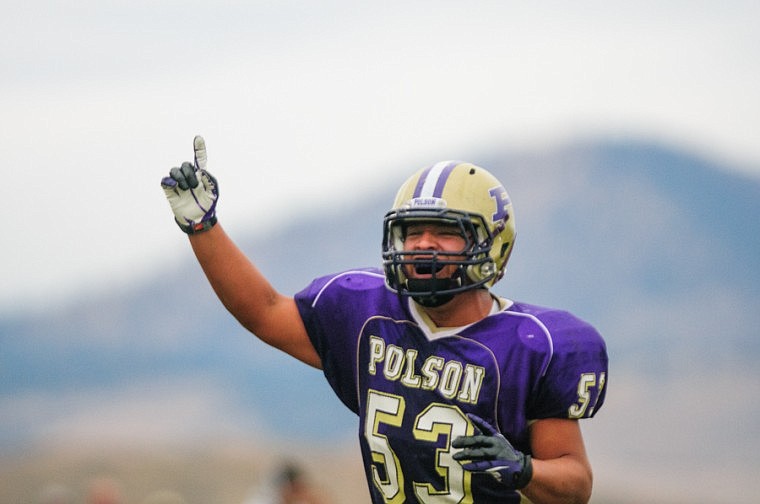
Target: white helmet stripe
433 179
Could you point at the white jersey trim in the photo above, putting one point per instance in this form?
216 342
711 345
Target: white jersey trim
339 275
433 332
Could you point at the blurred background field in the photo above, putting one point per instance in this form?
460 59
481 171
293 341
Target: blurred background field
626 134
220 473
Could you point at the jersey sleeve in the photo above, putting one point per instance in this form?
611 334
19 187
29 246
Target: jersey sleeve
334 309
573 384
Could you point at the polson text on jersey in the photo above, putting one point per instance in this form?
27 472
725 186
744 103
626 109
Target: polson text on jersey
453 379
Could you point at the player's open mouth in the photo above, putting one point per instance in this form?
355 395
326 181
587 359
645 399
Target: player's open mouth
427 268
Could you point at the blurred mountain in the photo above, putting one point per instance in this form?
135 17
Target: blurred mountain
657 247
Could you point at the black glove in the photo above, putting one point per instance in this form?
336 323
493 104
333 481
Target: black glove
489 452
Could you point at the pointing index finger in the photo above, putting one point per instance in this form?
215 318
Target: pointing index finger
199 146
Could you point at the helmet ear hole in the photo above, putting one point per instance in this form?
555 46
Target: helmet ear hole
504 249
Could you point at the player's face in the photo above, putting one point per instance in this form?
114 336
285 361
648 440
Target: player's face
433 236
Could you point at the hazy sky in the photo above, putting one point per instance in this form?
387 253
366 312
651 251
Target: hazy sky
307 102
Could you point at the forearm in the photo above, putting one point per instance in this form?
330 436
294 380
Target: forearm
237 282
565 480
249 296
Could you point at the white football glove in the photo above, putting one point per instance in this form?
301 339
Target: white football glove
192 192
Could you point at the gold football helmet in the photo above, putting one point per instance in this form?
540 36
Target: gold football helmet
449 193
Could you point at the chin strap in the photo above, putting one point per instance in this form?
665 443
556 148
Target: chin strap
433 301
432 285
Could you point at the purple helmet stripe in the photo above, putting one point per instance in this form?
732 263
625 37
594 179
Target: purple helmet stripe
443 177
421 182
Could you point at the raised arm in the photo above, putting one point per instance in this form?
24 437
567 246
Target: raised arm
193 193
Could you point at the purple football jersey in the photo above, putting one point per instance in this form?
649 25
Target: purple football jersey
412 385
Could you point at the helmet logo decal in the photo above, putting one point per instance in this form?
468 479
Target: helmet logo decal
499 194
433 179
427 203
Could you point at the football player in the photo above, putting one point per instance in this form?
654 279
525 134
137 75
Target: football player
462 396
